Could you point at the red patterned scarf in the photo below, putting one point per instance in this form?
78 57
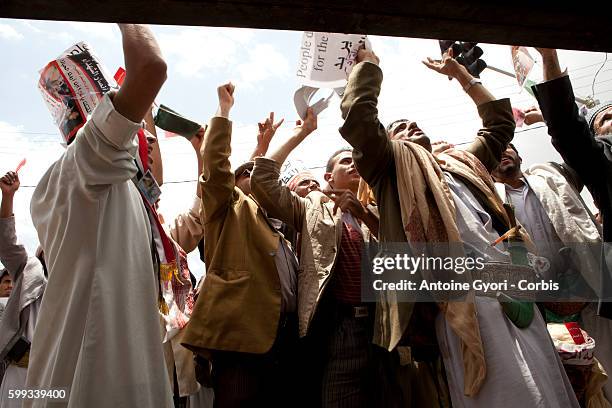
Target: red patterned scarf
175 290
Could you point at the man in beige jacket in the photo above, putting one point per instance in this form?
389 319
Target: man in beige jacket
337 323
244 318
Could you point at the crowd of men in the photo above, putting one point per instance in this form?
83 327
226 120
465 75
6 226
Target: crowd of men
108 311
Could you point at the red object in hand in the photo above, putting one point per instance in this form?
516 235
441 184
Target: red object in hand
576 333
519 116
119 76
20 165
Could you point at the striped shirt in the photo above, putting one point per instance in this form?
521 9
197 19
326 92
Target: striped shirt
346 280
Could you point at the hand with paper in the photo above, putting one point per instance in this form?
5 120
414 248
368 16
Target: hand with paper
367 55
306 127
71 86
523 64
550 60
325 61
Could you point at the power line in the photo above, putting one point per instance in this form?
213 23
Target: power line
398 107
188 181
529 129
597 73
452 105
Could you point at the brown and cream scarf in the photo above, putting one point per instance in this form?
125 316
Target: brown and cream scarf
428 215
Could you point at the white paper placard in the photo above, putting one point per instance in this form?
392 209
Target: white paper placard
326 59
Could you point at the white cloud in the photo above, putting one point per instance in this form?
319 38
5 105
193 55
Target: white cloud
192 50
104 31
31 26
11 131
49 31
40 150
9 33
195 51
264 62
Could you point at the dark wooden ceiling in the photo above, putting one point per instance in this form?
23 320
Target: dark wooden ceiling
559 24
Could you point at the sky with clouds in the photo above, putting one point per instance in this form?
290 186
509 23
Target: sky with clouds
262 64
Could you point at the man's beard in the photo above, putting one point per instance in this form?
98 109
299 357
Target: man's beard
509 171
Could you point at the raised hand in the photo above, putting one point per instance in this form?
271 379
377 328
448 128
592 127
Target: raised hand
440 146
301 130
546 52
550 62
309 124
346 201
267 130
533 115
448 65
367 55
226 99
9 183
198 138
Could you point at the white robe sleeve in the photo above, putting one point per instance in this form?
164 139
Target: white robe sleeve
13 255
105 148
187 229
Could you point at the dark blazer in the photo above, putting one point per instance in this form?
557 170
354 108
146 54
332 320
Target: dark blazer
589 156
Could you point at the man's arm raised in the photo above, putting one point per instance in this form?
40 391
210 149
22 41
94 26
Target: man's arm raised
12 254
186 229
277 199
570 133
301 131
157 166
217 180
266 132
145 72
497 119
372 152
104 150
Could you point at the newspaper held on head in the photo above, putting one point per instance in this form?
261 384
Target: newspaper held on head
71 86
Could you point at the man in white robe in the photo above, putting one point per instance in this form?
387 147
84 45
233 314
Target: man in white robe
98 334
547 203
17 326
522 367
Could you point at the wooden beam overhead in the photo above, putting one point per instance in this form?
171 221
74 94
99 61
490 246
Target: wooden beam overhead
558 24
